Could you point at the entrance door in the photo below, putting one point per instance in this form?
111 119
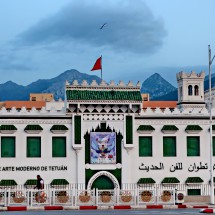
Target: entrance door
103 183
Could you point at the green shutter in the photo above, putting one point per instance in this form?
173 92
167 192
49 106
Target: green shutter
77 121
129 130
193 146
145 146
58 146
169 146
8 147
213 146
194 192
33 147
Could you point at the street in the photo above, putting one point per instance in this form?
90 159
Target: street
108 212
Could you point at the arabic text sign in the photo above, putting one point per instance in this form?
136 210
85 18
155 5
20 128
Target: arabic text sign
194 167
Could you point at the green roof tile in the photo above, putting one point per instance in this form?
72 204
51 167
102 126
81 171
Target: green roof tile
59 127
6 183
170 180
146 181
169 128
8 127
59 182
145 128
193 128
31 182
33 127
103 95
194 180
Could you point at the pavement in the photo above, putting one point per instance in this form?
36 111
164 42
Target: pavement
203 208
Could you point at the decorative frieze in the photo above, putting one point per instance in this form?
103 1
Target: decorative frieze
115 117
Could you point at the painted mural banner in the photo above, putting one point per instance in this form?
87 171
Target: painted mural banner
103 147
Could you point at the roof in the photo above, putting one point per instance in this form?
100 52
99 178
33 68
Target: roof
59 127
169 128
146 181
59 182
146 128
33 127
159 104
194 180
31 182
8 127
170 180
193 128
8 182
26 104
103 95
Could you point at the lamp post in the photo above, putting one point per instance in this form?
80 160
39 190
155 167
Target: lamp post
211 138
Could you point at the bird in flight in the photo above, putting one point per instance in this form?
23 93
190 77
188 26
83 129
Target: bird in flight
103 26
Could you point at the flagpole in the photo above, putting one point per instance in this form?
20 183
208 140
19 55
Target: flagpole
101 66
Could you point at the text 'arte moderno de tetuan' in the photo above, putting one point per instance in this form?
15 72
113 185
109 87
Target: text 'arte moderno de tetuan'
34 168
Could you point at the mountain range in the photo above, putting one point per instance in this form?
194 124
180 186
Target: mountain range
155 85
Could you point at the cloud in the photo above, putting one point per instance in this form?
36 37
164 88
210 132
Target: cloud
10 62
131 27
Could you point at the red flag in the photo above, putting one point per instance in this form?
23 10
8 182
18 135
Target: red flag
98 64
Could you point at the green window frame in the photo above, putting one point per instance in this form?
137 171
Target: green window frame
193 146
169 146
194 192
58 147
34 147
129 129
145 146
213 146
8 147
77 131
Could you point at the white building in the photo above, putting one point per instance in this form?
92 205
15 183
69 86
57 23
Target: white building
106 140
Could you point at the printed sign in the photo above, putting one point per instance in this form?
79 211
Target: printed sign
103 147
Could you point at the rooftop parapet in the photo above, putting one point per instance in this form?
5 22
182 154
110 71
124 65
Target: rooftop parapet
193 74
32 111
103 84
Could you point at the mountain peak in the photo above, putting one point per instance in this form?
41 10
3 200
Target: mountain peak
156 86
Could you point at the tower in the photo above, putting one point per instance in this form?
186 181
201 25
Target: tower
190 90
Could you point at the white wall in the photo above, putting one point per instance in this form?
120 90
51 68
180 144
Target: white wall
46 160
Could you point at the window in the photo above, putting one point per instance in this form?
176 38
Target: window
180 92
33 99
196 90
194 192
190 90
169 146
58 146
193 146
33 146
8 147
213 146
145 146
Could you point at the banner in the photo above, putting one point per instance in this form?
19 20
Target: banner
103 147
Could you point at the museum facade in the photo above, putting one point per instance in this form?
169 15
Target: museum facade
104 139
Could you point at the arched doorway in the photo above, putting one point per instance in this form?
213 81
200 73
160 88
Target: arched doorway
103 183
103 180
90 173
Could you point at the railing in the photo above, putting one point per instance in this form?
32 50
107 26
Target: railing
72 195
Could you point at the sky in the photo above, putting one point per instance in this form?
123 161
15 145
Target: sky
42 39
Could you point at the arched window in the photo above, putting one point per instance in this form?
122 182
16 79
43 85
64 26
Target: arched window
180 92
196 90
190 90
